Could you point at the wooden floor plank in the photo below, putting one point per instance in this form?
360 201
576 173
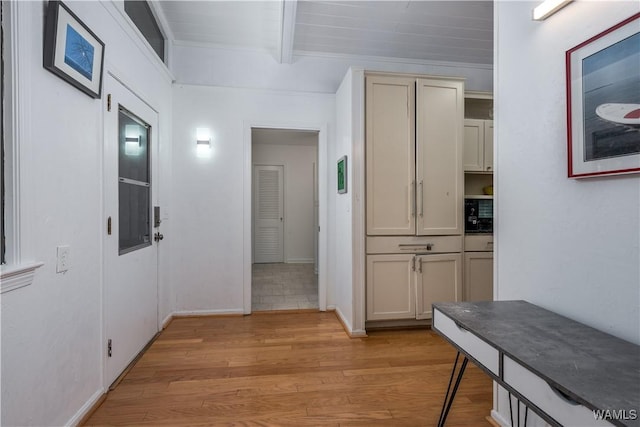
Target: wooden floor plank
292 369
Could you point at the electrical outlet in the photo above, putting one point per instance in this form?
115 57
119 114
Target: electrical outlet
63 259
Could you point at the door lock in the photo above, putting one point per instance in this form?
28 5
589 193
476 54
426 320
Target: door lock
157 237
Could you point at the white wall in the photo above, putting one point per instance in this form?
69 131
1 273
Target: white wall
298 163
52 344
237 68
207 266
349 209
571 246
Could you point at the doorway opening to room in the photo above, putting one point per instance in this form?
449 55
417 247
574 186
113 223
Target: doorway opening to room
285 219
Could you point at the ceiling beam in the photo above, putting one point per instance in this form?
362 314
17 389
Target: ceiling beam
287 31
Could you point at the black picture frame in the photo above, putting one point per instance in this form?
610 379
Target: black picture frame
72 51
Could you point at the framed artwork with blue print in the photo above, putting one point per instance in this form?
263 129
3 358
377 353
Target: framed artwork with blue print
72 51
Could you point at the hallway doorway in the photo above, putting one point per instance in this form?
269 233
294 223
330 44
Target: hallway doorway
291 156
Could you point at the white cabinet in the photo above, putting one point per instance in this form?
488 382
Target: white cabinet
414 194
478 268
438 279
439 173
390 287
403 286
390 155
414 175
478 145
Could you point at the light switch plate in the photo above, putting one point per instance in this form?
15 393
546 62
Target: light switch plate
63 263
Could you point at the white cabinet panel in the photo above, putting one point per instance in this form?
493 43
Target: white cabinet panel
390 155
488 146
473 145
439 279
478 145
478 276
413 244
390 287
439 146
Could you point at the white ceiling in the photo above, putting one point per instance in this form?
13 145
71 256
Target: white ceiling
419 30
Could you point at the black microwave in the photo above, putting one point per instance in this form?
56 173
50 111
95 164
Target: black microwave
478 215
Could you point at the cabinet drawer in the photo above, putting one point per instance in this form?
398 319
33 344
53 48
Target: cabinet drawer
485 354
549 400
480 243
414 244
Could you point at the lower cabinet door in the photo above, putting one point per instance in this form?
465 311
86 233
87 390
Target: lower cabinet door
390 288
478 276
439 279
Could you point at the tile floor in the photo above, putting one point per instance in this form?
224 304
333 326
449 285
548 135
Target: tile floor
283 287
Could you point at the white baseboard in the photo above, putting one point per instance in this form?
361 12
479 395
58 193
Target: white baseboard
347 325
499 418
299 261
88 406
188 313
166 321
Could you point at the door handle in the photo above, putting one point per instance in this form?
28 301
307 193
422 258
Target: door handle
158 236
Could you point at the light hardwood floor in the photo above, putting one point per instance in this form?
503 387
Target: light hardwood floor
292 369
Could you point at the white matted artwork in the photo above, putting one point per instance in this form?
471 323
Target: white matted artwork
603 102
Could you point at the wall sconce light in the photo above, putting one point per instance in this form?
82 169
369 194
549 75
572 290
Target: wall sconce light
132 140
548 8
203 143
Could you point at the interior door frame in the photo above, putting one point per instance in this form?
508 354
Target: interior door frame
321 128
154 164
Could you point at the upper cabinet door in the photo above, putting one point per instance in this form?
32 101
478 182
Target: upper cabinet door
439 148
488 145
473 151
390 155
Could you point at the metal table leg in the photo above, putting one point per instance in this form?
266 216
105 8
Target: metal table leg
451 393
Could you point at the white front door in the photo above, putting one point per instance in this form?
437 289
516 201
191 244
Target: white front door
130 252
268 240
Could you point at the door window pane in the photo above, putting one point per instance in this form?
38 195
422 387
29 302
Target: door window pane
133 162
134 186
134 223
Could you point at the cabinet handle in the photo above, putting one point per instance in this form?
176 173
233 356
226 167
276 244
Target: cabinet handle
412 195
421 201
420 265
413 264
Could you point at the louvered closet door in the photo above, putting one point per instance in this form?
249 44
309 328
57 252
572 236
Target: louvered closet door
268 238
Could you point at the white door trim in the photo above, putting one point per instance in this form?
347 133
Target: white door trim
322 190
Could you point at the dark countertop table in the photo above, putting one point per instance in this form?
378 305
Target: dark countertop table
591 367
